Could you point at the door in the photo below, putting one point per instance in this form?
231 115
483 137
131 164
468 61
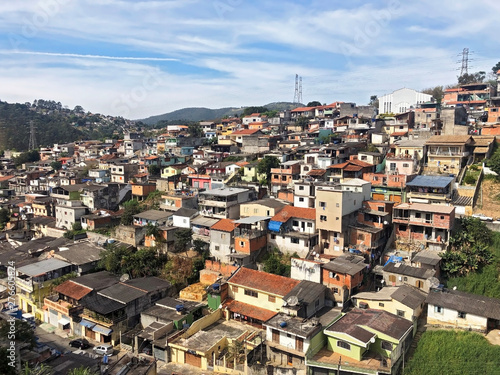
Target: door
299 344
378 197
193 359
276 336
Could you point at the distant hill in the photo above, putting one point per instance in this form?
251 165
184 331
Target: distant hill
207 114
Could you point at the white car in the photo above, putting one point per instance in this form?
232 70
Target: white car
482 217
104 349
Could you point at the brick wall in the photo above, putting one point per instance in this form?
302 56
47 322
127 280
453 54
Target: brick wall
224 269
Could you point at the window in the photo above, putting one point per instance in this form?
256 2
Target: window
295 223
361 237
301 199
217 248
405 278
223 236
273 236
418 215
400 313
337 218
309 225
235 289
271 298
419 284
441 217
381 304
242 243
322 204
322 218
336 290
301 187
294 240
251 293
343 345
386 345
462 315
337 204
406 165
438 309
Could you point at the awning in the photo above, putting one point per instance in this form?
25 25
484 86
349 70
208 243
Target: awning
103 330
87 324
274 226
63 321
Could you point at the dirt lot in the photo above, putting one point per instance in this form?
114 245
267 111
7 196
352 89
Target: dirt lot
490 205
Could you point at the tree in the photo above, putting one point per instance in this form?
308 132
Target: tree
265 164
373 101
24 332
183 238
114 258
4 217
200 246
494 162
195 130
496 68
178 270
131 208
303 122
469 248
56 165
236 352
154 170
276 263
314 103
437 92
253 109
27 157
466 78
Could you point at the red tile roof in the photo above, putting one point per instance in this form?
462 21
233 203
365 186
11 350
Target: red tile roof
317 172
263 281
353 163
5 178
225 225
242 163
398 134
245 132
72 290
303 109
251 311
291 211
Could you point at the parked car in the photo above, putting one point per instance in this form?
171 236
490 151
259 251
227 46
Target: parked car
482 217
79 343
104 349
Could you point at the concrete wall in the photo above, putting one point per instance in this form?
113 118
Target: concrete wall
449 318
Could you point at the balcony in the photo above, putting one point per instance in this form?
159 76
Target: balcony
250 234
26 285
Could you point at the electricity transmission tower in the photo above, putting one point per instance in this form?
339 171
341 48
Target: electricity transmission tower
297 97
465 62
32 143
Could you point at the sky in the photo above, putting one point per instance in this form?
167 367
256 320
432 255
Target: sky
141 58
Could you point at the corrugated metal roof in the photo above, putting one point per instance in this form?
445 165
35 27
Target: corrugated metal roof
44 266
431 181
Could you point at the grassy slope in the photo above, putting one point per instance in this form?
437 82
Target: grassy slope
485 282
454 352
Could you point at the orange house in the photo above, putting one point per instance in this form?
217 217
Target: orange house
343 276
141 191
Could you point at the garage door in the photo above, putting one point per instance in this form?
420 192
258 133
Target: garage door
53 318
378 197
193 360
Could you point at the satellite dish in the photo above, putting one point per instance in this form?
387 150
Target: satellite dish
124 277
292 301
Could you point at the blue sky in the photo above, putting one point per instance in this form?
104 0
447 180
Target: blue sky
142 58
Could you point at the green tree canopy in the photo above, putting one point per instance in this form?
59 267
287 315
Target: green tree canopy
469 248
253 109
131 208
56 165
265 164
27 157
496 68
183 238
154 170
467 78
303 122
314 103
437 92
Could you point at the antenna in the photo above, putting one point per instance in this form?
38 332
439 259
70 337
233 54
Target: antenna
32 142
292 301
124 277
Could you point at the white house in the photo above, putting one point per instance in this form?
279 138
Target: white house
455 309
401 101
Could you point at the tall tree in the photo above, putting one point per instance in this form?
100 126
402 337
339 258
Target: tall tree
314 103
265 164
496 68
437 92
467 78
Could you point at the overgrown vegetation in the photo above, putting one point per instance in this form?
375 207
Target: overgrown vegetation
454 353
136 263
469 248
278 263
484 281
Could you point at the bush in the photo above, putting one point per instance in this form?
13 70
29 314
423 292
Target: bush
470 180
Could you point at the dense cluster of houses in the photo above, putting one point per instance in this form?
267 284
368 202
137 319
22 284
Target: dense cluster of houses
363 205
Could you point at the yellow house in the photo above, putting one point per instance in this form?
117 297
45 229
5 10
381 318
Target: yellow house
262 207
250 173
172 170
256 296
205 341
